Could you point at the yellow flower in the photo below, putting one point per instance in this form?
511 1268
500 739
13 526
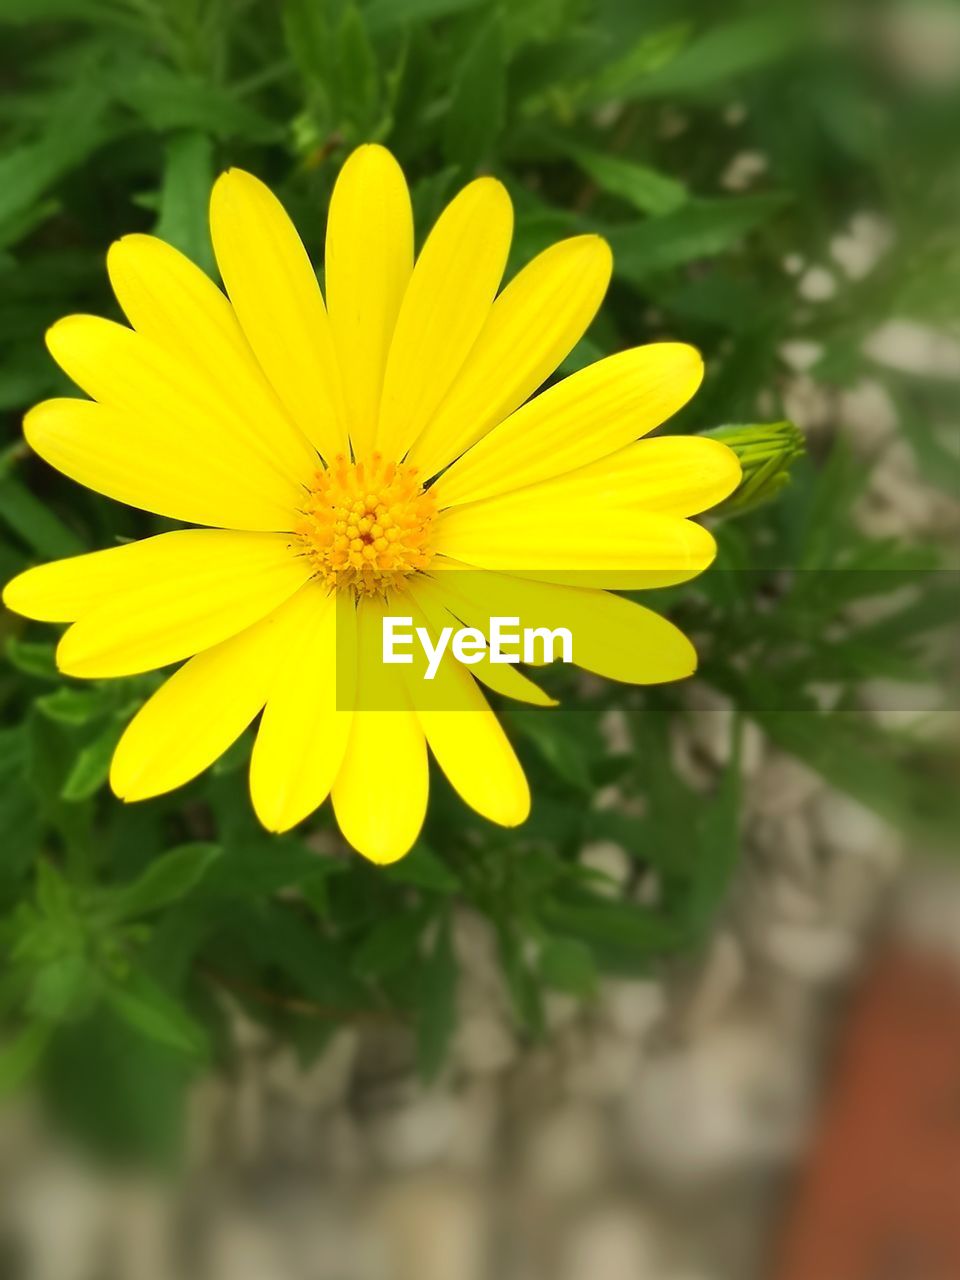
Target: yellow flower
345 454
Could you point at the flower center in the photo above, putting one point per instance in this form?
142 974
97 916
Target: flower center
364 524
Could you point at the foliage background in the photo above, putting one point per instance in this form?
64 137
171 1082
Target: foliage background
122 929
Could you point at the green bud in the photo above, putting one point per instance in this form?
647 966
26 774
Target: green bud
766 452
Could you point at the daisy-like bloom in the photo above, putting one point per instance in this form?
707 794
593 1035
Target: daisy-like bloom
343 454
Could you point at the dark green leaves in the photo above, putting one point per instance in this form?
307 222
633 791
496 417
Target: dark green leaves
424 870
188 174
29 171
437 994
720 54
40 528
644 188
91 768
390 944
699 229
148 1009
477 109
386 15
165 880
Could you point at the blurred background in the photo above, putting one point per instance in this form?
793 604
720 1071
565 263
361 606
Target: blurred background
699 1019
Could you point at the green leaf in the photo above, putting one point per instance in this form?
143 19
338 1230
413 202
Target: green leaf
437 1004
257 868
16 12
50 755
699 229
569 966
54 896
357 72
389 945
478 107
19 1056
306 28
33 521
422 868
387 15
166 880
92 765
74 706
146 1007
646 189
188 172
33 658
648 55
19 821
720 54
634 929
166 100
73 131
557 740
62 987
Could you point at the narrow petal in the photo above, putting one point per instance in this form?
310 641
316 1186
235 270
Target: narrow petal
615 544
368 261
205 585
502 678
171 405
159 288
467 739
277 299
201 710
669 475
64 590
446 304
303 731
612 637
587 416
380 794
159 466
537 320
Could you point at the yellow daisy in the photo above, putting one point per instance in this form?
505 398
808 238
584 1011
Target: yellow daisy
345 453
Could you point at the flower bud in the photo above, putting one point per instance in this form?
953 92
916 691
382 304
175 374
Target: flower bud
766 452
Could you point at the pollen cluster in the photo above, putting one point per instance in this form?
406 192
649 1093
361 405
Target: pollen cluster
363 524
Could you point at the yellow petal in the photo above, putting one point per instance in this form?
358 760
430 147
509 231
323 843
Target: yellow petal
671 475
502 678
149 464
380 794
303 733
537 320
205 585
64 590
575 540
585 417
368 261
612 637
467 739
446 304
169 404
170 300
277 299
204 707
